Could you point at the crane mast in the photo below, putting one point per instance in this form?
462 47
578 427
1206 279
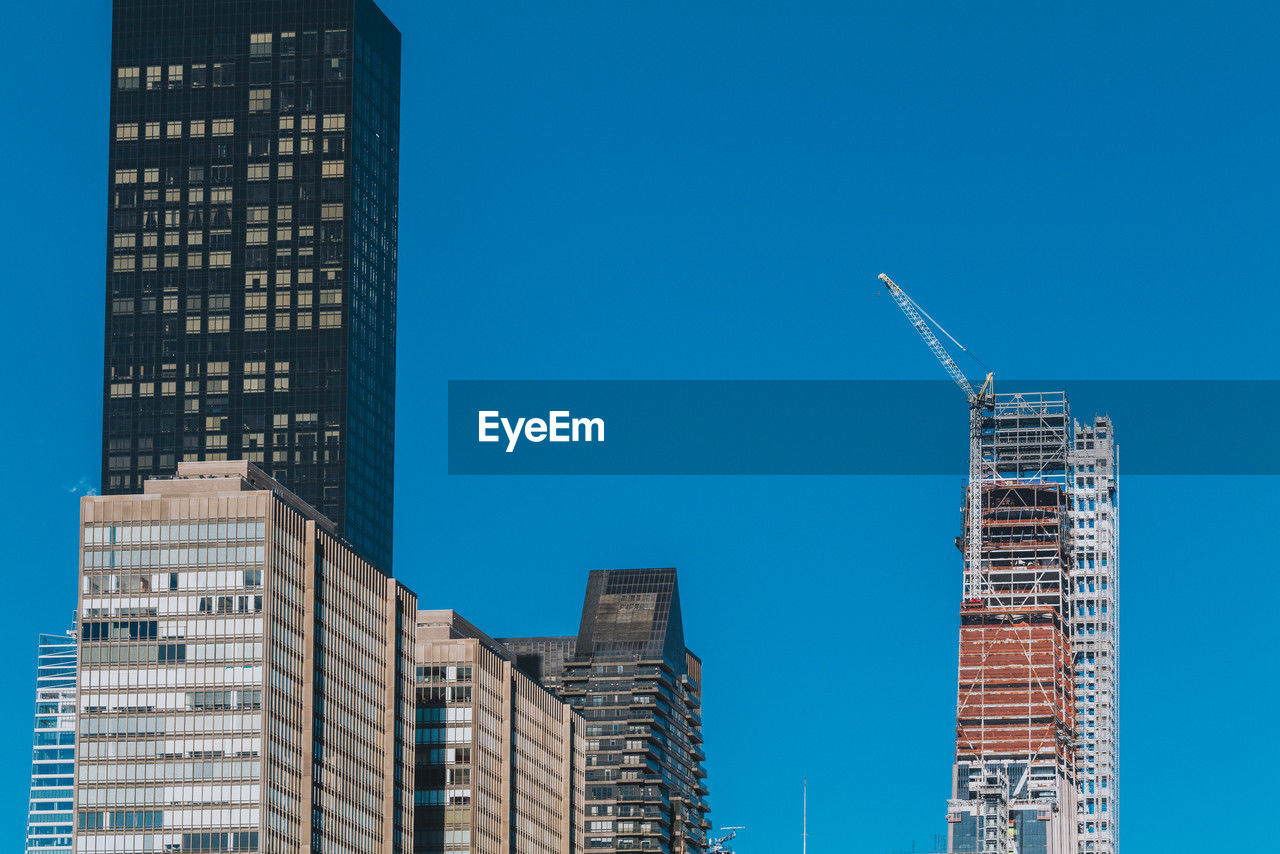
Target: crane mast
974 580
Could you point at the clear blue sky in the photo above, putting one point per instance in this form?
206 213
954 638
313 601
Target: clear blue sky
707 190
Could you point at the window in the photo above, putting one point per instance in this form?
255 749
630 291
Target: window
223 127
224 74
197 127
175 76
260 44
127 78
127 131
199 76
259 100
153 77
335 68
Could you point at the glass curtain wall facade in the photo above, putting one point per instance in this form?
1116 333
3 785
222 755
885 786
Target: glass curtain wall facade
245 679
639 690
51 809
251 249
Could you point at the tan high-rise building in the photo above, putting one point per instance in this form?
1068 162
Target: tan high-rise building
245 679
500 760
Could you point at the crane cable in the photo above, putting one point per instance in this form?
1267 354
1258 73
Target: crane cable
946 333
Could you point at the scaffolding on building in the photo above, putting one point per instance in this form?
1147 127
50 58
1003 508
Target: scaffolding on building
1015 690
1036 688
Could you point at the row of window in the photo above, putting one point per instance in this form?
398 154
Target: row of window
101 535
120 820
122 725
171 653
332 252
221 74
329 123
173 557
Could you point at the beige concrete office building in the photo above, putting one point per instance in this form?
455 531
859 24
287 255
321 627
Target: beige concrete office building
500 760
245 680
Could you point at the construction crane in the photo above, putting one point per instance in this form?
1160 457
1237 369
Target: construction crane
720 844
979 402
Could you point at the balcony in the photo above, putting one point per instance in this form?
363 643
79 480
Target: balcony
646 748
631 844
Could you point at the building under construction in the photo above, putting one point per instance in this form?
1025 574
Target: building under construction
1034 767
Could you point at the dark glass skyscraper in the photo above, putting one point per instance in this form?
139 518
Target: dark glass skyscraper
251 253
639 690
